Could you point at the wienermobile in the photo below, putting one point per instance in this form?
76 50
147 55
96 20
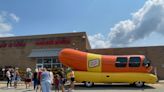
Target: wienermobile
95 68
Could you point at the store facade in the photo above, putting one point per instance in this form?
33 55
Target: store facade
39 50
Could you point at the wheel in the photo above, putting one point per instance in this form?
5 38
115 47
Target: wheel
139 84
89 84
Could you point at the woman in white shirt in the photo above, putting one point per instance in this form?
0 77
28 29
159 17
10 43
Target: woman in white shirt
8 75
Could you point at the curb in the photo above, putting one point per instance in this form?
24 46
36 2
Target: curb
161 82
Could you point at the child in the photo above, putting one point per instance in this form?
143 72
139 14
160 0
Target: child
57 81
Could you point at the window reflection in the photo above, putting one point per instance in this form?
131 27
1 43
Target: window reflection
51 62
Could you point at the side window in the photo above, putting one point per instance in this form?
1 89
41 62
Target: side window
134 61
121 62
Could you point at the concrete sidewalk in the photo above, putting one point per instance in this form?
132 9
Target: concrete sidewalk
4 82
161 81
21 82
158 87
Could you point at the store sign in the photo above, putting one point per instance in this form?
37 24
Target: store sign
4 45
62 41
52 42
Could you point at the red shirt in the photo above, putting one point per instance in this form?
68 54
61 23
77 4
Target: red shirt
39 75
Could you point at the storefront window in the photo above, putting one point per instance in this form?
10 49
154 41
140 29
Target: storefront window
47 65
54 60
39 61
51 62
47 60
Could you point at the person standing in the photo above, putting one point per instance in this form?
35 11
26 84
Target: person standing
12 75
35 79
62 79
57 81
8 75
51 76
72 78
39 79
16 77
28 78
45 81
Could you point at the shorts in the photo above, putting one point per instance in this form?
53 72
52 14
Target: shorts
72 79
27 80
57 86
63 80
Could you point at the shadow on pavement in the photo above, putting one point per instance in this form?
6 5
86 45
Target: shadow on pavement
5 88
27 90
111 87
81 87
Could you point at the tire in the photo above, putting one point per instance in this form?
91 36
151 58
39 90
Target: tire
139 84
88 84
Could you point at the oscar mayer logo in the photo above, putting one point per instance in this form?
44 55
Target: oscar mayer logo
94 63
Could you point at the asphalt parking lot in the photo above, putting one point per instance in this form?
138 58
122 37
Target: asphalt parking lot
159 87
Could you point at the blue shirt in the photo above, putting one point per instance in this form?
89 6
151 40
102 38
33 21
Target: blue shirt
45 76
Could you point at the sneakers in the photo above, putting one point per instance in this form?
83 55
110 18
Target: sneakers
8 87
70 90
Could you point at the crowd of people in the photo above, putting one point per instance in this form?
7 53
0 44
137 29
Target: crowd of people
12 75
42 79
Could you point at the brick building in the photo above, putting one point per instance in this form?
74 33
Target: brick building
39 50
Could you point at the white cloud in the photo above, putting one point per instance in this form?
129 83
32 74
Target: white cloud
152 40
6 35
98 41
74 31
4 27
146 21
5 23
2 16
14 17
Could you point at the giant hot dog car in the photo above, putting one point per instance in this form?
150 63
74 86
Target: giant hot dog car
95 68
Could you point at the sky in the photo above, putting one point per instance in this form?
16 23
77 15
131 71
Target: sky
108 23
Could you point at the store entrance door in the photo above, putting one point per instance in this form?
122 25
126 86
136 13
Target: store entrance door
39 66
48 62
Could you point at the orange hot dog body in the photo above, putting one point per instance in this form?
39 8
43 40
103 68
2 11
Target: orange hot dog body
73 58
80 61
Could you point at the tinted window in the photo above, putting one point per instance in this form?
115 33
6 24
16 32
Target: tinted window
134 61
121 62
